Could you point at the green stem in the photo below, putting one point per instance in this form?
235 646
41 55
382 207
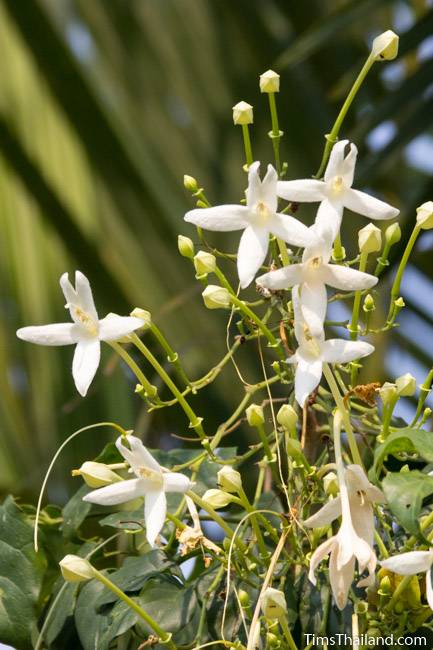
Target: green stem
262 327
357 301
382 261
172 356
387 415
149 389
275 134
283 252
286 630
217 519
356 457
247 144
424 391
164 637
254 523
332 137
395 291
338 252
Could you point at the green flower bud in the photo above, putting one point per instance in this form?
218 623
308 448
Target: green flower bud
76 569
143 315
287 417
393 234
424 215
204 263
96 475
255 415
269 82
215 297
185 246
294 448
330 484
385 46
406 385
388 393
272 641
244 598
273 603
370 239
369 304
243 113
217 498
190 183
229 479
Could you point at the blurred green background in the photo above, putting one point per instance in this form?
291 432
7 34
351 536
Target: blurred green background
105 104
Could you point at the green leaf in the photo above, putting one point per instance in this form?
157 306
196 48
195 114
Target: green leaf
405 440
63 610
405 492
91 625
75 512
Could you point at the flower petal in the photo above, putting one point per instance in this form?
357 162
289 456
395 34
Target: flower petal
318 555
305 190
323 517
155 510
221 218
340 579
253 191
121 492
429 589
307 378
362 515
268 189
336 159
342 351
137 456
291 230
55 334
357 480
346 279
176 482
85 296
251 253
85 364
283 278
408 564
368 206
114 327
329 216
314 301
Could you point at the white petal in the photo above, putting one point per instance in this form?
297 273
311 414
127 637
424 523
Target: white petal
281 278
251 253
155 510
329 216
335 166
291 230
120 492
223 218
176 482
429 589
314 301
348 166
346 279
85 364
306 190
137 456
85 296
268 189
408 564
323 517
114 327
253 191
367 205
357 480
322 247
362 515
55 334
318 555
340 579
307 378
341 351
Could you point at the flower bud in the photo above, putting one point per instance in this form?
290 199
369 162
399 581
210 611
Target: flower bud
370 239
385 46
185 246
143 315
388 393
229 479
244 598
215 297
406 385
190 183
204 263
255 415
217 498
273 603
369 304
330 484
424 215
294 448
385 586
269 82
287 417
243 113
393 234
96 475
76 569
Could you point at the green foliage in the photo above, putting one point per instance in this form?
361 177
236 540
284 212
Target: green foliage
405 492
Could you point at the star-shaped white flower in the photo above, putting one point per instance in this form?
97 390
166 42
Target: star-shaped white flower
335 192
258 219
314 351
152 483
355 538
313 274
86 331
408 564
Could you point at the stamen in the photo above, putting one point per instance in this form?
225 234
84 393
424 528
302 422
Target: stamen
88 322
262 211
337 184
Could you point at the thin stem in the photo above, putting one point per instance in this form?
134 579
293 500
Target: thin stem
149 389
424 391
254 523
217 519
275 134
172 356
262 327
286 630
247 144
395 291
357 300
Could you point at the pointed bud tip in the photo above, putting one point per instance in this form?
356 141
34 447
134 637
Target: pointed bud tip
215 297
269 82
255 416
76 569
190 183
185 246
424 215
242 113
229 479
385 46
204 263
370 239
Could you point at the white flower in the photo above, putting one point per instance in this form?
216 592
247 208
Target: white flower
86 332
314 351
335 192
408 564
314 273
354 540
258 219
152 483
